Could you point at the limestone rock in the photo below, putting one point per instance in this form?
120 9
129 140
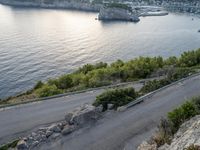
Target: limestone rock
187 135
146 146
55 136
54 128
110 106
164 147
68 117
122 108
22 145
99 108
84 115
68 129
49 133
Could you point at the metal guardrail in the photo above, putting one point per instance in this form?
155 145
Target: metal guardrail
142 98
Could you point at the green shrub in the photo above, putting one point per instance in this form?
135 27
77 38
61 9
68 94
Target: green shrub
38 85
190 58
65 82
9 145
101 74
196 101
168 127
118 97
181 114
119 5
48 90
180 73
89 67
154 85
175 75
164 133
53 82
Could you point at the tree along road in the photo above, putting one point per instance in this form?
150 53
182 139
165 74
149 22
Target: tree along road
21 119
125 130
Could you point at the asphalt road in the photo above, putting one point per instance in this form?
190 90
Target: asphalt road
125 130
20 120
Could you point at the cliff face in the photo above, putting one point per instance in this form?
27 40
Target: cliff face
69 4
187 136
116 14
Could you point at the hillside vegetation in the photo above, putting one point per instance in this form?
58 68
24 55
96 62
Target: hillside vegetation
101 74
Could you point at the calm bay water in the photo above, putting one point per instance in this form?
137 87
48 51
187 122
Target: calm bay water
37 44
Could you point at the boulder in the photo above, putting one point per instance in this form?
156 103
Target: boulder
35 143
68 117
22 145
164 147
122 108
49 133
55 136
99 108
54 128
110 106
61 125
68 129
146 146
84 115
43 129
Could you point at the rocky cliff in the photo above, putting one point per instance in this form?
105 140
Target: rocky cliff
187 138
107 13
188 134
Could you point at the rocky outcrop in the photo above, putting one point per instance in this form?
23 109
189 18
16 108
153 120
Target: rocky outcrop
188 135
68 4
83 115
108 13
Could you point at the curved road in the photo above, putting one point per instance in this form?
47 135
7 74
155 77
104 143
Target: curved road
125 130
19 120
